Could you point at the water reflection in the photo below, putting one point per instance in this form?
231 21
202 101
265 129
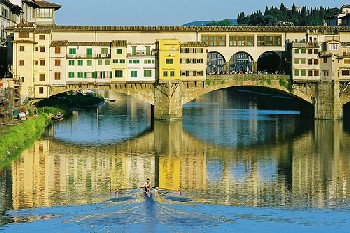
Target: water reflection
260 159
305 171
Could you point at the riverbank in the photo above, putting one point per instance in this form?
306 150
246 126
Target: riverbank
18 137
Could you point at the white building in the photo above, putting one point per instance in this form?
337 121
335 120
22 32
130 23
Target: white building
9 16
141 62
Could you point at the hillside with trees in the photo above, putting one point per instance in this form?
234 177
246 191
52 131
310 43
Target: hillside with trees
296 16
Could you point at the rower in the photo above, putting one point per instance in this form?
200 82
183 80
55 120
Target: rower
147 185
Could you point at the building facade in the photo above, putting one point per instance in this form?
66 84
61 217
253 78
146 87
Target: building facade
320 57
40 61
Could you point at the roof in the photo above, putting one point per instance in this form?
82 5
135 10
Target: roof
194 44
45 4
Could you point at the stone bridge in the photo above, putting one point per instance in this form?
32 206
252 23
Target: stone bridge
321 99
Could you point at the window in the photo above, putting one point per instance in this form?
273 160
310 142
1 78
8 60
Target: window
172 73
42 77
296 73
71 62
134 74
134 61
133 50
214 40
89 52
303 61
80 74
41 90
346 61
309 61
303 50
268 40
333 46
165 73
57 62
57 76
277 40
310 73
118 73
122 61
345 72
107 62
316 73
147 73
296 61
325 60
57 50
325 73
148 50
89 62
41 37
261 41
99 62
23 34
94 74
115 61
119 51
42 49
80 62
21 48
70 74
104 50
303 72
296 51
316 61
42 62
169 61
72 51
309 51
315 51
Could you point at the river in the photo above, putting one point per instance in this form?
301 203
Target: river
243 162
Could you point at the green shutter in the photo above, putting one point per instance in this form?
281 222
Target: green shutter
89 52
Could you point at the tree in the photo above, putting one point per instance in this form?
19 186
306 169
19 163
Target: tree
224 22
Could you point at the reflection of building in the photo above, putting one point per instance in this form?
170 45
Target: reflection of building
49 173
276 174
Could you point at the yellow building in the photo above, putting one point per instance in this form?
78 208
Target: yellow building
168 59
193 59
119 62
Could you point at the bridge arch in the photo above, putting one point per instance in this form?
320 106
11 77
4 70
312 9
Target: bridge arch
215 63
270 62
241 62
274 82
141 91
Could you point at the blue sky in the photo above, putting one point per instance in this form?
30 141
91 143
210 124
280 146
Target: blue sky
165 12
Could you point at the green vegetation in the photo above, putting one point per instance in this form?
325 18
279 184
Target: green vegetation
224 22
70 101
287 17
15 139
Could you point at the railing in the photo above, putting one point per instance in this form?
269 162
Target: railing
248 77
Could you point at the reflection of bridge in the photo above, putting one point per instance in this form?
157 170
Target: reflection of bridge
168 97
173 159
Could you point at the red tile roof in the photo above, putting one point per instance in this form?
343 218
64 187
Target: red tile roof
45 4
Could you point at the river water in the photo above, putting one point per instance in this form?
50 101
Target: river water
243 162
